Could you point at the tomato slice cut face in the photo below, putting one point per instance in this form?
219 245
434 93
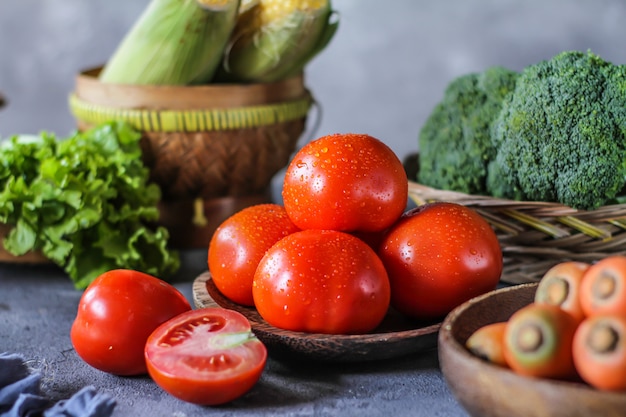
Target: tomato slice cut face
207 356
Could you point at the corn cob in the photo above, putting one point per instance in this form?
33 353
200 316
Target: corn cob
275 39
174 42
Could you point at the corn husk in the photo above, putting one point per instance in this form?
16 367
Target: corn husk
275 39
174 42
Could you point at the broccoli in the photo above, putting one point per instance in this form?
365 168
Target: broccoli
454 143
561 135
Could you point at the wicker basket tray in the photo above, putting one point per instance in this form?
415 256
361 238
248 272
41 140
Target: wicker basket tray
537 235
221 144
206 141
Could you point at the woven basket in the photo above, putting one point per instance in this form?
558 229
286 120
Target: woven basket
221 144
203 141
537 235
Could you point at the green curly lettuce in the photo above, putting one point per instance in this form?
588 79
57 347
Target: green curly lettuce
85 202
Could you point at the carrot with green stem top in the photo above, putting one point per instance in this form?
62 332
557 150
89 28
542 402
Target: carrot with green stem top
538 342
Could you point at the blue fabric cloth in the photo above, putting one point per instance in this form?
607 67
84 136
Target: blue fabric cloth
20 395
86 402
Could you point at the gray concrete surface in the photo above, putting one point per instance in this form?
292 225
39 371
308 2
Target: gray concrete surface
38 305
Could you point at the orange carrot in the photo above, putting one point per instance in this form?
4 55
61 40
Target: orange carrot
560 286
603 288
487 343
599 350
538 342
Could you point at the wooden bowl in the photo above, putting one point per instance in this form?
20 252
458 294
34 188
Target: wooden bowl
396 336
488 390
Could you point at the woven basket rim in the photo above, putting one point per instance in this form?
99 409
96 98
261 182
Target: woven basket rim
196 120
544 208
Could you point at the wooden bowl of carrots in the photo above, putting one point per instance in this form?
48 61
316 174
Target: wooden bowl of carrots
553 348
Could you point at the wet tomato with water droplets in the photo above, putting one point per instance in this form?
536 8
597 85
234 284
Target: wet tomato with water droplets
438 256
207 356
322 281
345 182
238 245
116 314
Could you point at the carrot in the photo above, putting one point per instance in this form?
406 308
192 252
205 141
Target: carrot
538 342
487 343
599 351
603 288
560 286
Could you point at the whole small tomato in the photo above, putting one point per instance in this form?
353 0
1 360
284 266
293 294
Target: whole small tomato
345 182
322 281
207 356
116 314
238 245
438 256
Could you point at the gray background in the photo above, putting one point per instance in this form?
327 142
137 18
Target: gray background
382 74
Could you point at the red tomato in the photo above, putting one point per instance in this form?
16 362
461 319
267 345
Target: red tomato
238 245
207 356
438 256
116 314
345 182
321 281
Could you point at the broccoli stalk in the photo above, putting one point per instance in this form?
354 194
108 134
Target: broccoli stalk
561 135
455 147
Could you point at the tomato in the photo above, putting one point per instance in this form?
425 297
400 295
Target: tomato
438 256
207 356
321 281
345 182
238 245
116 314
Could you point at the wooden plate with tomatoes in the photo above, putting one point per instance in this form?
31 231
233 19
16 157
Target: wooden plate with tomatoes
395 336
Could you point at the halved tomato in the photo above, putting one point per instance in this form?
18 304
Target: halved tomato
207 356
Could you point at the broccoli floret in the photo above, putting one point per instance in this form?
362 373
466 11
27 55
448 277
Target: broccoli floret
454 142
560 136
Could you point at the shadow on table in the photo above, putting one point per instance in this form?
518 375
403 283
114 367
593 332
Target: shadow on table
289 381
